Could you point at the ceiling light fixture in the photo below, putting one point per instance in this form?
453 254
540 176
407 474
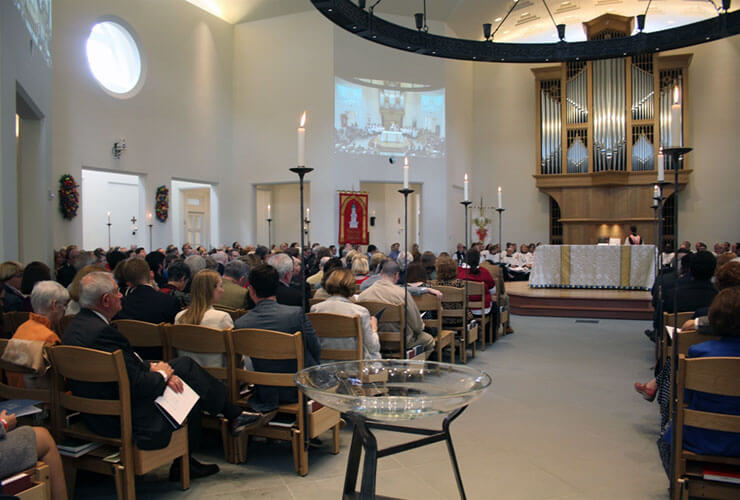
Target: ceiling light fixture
346 14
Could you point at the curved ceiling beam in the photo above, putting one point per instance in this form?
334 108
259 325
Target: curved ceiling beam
349 16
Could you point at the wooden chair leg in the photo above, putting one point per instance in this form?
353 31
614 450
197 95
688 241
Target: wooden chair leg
118 480
129 482
297 446
335 439
185 471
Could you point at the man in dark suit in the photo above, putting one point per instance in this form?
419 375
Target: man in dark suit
268 314
699 291
285 293
100 301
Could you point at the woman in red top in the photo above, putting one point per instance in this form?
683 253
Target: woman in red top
472 272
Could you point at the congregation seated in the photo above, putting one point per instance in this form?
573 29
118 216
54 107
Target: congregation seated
100 300
268 314
360 269
21 447
143 302
207 289
386 290
49 300
697 291
329 266
286 293
178 278
73 307
235 294
33 273
341 286
472 271
314 281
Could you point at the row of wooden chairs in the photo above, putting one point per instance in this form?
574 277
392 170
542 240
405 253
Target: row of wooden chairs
96 366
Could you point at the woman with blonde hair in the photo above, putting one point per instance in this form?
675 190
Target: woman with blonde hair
206 290
360 268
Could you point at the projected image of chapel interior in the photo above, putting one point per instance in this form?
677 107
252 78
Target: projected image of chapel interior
389 118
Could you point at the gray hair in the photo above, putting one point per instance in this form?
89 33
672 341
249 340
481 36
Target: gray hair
236 269
211 263
46 292
282 262
390 268
93 286
195 263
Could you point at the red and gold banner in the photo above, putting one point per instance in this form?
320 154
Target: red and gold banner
353 218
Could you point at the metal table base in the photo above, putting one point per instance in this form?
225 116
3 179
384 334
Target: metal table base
363 439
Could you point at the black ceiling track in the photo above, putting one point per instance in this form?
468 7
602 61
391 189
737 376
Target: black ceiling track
348 15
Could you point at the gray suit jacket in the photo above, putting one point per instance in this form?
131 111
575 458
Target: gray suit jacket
270 315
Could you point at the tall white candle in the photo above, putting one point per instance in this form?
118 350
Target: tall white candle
109 217
499 198
269 212
465 188
302 141
406 172
308 215
676 118
661 167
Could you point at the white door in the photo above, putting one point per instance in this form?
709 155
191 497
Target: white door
196 208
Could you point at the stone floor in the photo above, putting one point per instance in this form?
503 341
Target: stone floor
560 422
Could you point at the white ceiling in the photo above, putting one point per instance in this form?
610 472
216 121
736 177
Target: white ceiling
529 21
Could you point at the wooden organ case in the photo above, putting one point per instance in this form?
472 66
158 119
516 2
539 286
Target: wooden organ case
601 125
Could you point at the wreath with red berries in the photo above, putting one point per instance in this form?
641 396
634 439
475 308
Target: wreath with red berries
69 197
163 203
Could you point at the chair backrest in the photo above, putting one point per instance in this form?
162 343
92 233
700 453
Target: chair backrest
453 302
713 375
394 316
265 344
685 339
90 365
338 326
12 320
202 340
476 289
430 304
497 274
683 317
11 392
234 313
141 333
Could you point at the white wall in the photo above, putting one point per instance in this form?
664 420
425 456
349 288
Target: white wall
178 125
22 69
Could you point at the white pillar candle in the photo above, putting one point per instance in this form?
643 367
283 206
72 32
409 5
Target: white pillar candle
661 167
499 198
109 217
676 118
406 172
308 215
302 141
269 212
465 188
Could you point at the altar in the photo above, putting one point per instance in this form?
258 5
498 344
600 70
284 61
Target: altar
594 266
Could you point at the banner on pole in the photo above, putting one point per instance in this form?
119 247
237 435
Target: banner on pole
353 227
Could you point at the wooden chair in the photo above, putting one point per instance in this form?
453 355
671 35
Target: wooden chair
432 305
715 376
337 326
390 339
234 313
40 480
308 424
204 340
90 365
11 392
147 339
453 309
485 321
12 320
497 298
664 347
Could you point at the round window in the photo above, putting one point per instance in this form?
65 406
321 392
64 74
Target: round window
114 57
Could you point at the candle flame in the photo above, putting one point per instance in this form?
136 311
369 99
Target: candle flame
466 177
303 120
499 189
676 94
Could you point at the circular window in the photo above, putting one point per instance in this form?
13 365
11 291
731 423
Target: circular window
114 57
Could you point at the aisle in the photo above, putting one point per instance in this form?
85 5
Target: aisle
560 422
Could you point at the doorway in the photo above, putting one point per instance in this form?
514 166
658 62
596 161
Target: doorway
386 206
194 213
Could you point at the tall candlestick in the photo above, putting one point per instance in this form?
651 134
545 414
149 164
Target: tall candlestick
302 141
661 167
499 198
308 215
656 195
268 211
676 117
406 172
465 188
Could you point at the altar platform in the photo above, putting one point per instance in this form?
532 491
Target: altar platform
578 303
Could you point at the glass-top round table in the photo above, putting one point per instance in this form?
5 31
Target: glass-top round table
375 393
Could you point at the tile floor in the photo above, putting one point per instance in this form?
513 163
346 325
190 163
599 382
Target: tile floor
560 422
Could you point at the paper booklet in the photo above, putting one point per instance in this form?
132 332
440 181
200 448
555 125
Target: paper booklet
175 407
